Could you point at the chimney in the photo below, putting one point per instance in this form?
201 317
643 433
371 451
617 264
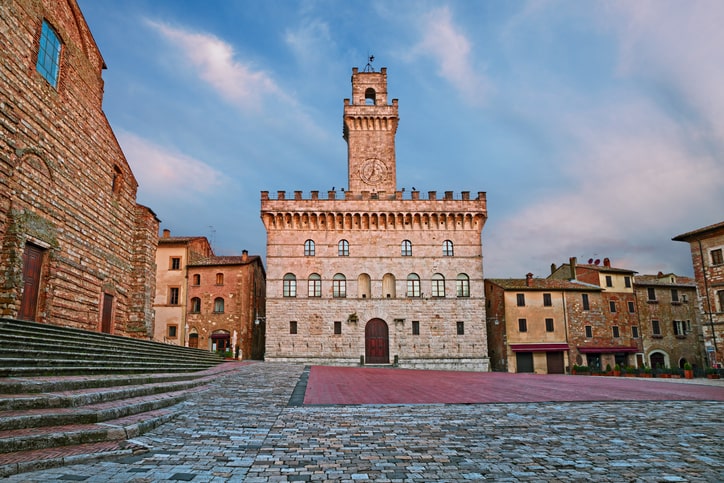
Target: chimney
244 255
166 233
572 261
529 279
553 268
607 263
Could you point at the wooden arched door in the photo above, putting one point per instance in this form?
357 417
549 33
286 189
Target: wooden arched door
377 343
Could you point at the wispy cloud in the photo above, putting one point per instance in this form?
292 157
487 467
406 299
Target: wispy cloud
166 173
444 41
214 62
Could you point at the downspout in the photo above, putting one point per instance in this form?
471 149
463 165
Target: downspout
565 327
708 300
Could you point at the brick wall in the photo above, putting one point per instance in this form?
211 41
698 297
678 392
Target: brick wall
66 186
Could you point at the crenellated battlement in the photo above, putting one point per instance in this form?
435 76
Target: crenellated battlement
401 195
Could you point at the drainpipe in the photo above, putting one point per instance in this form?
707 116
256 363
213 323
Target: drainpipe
708 302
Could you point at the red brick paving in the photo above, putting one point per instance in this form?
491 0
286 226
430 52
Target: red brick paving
356 385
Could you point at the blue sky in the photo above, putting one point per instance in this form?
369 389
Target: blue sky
596 128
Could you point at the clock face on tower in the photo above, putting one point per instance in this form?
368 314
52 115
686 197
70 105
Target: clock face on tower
373 171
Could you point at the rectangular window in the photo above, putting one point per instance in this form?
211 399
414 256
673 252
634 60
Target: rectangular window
651 294
549 325
627 281
547 302
173 295
655 328
48 64
219 279
688 326
635 331
674 295
679 328
609 281
716 257
415 327
589 332
616 333
612 306
461 328
631 307
720 298
292 326
586 303
339 288
520 299
175 263
172 331
337 327
522 325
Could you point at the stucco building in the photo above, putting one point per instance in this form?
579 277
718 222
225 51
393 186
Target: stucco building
609 333
375 274
226 309
707 255
75 247
535 324
670 327
173 255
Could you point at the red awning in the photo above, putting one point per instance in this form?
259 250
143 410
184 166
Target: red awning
539 347
607 350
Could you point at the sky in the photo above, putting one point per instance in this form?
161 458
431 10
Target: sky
596 128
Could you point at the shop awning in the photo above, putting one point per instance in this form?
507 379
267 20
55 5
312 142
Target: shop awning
607 350
541 347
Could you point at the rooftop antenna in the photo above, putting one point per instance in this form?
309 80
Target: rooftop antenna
213 235
368 67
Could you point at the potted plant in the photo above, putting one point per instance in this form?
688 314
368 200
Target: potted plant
617 370
647 372
630 371
688 371
712 373
608 370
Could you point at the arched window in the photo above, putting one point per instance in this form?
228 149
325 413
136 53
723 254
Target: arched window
290 285
315 285
370 97
413 285
339 286
438 285
462 285
196 279
218 305
447 248
406 248
363 286
309 248
388 286
219 279
195 305
343 248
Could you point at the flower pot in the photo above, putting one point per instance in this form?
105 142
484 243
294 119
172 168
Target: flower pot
617 373
712 376
689 373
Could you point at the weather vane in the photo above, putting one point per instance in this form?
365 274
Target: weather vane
368 67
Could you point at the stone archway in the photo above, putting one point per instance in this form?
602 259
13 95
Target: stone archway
377 342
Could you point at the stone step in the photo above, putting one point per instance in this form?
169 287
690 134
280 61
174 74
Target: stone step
84 397
84 353
31 385
51 333
28 345
37 459
72 434
18 420
50 368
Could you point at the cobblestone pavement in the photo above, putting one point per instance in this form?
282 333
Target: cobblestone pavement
243 429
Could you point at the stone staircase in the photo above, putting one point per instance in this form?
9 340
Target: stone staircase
69 395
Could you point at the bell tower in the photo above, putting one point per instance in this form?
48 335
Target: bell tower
370 124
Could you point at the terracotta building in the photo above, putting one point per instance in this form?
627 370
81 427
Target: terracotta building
173 255
707 255
670 329
534 324
609 333
75 247
375 274
226 308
